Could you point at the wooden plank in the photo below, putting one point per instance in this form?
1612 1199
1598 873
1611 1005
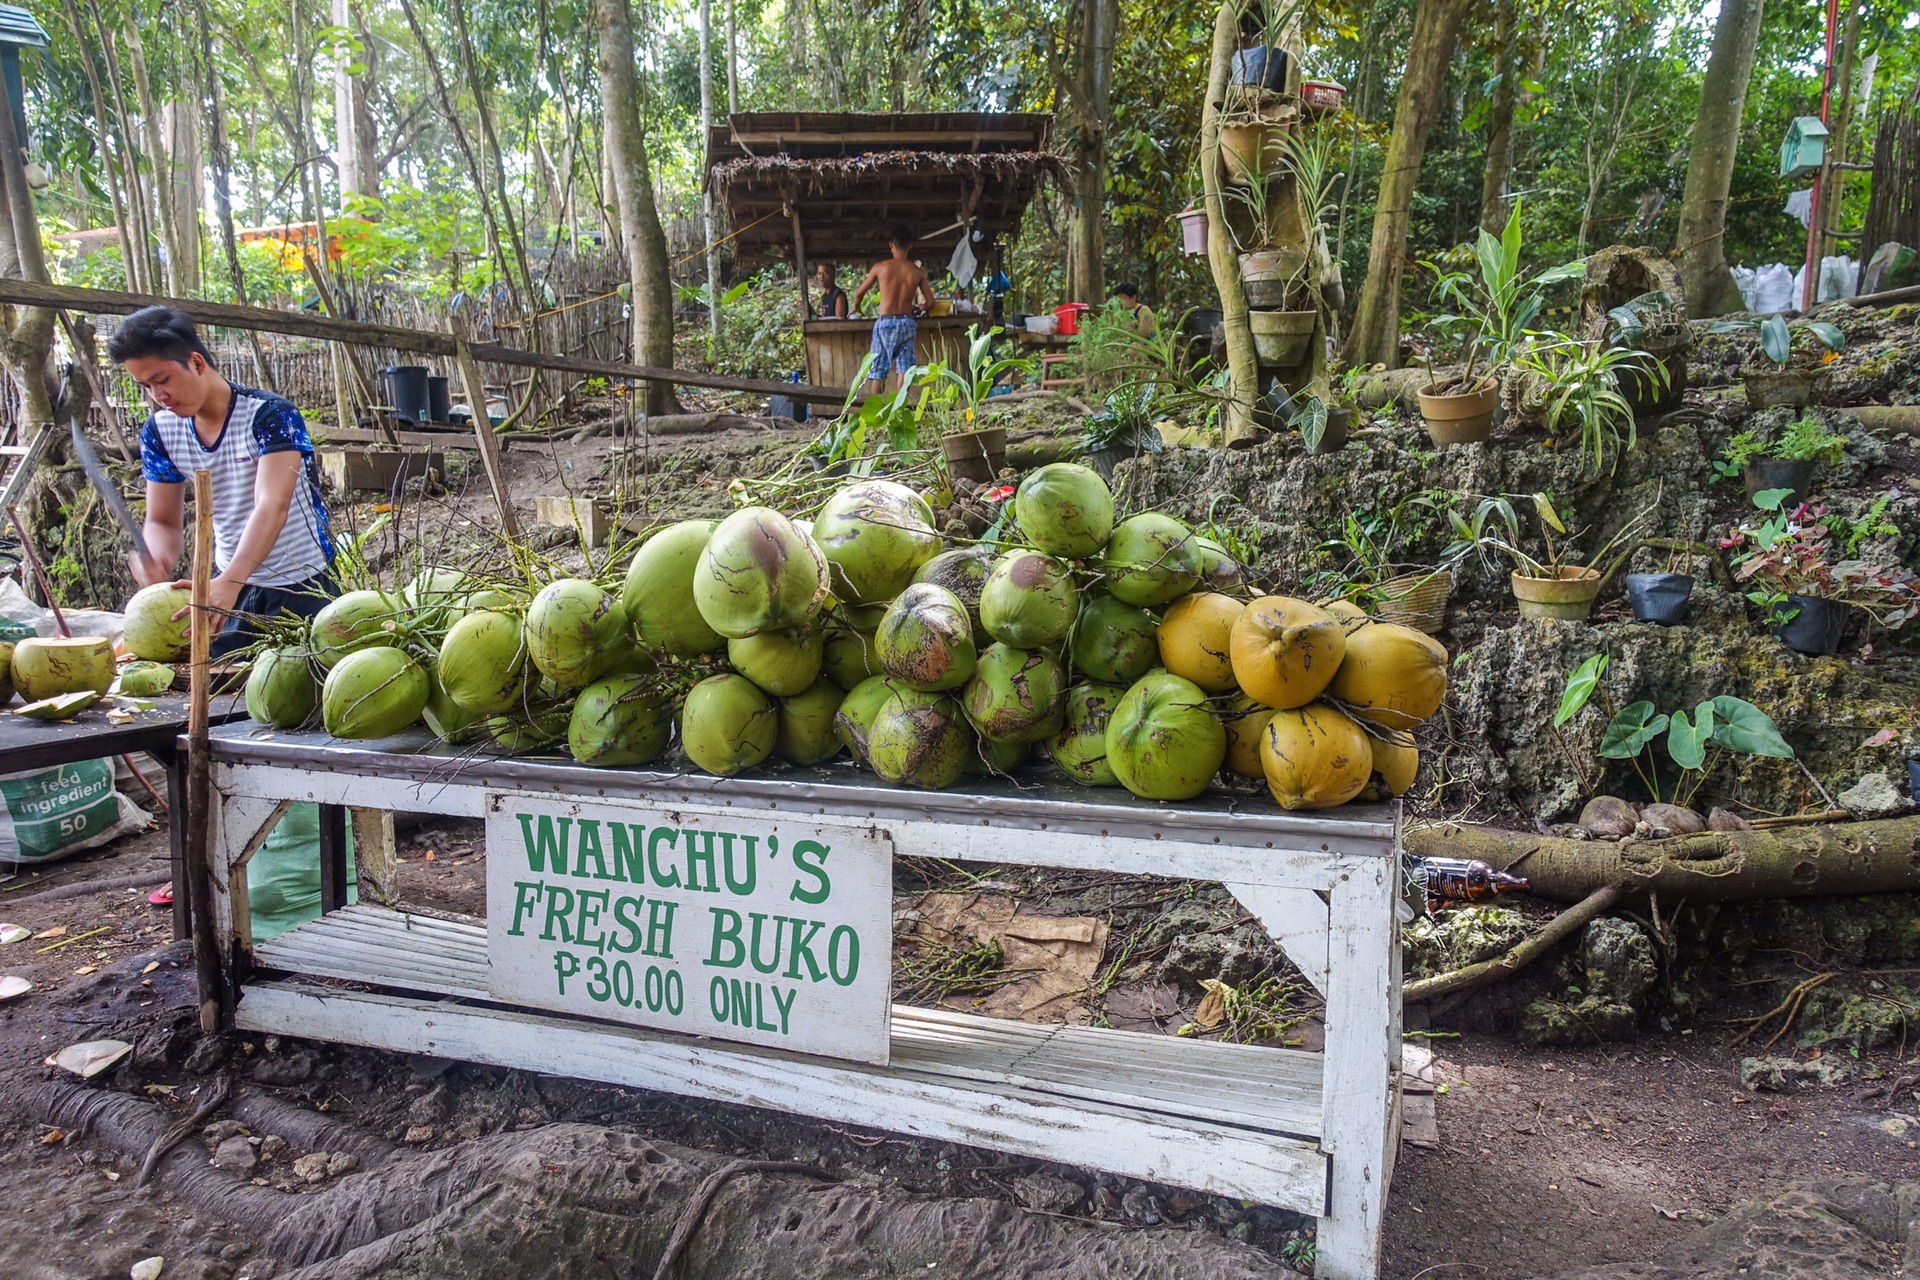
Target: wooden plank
1201 1155
483 432
426 439
1296 919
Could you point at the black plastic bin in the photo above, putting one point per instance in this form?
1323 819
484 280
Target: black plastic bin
407 389
439 400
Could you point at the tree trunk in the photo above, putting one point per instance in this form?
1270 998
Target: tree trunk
644 241
1493 179
27 345
1833 175
1376 324
1710 153
184 179
706 197
1243 369
1731 866
111 156
733 63
222 167
144 241
356 140
159 161
1093 112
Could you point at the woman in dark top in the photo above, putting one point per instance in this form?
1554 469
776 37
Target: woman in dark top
833 299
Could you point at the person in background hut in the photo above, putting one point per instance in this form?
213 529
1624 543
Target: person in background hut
904 292
832 304
1144 321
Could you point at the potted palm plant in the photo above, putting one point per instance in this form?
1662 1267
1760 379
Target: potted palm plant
1558 586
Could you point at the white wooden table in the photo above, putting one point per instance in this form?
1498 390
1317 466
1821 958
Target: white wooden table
1311 1132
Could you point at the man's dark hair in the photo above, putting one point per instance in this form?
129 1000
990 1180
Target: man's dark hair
901 235
1127 289
157 331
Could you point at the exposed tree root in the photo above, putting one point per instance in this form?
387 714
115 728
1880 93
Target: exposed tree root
1562 927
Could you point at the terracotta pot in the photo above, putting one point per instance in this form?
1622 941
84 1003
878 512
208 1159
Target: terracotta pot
1568 594
1280 338
976 455
1461 417
1251 149
1792 388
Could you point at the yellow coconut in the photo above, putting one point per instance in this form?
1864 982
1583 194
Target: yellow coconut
1246 722
1349 615
1393 676
1195 639
1315 757
1285 651
1395 764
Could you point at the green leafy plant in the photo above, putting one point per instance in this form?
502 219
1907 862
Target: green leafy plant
1310 420
1717 727
1650 322
1805 440
851 443
1850 534
1500 306
1809 343
1788 554
1124 421
983 373
1494 527
1578 385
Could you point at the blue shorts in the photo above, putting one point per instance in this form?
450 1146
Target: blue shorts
893 346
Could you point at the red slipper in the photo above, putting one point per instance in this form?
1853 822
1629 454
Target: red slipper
163 896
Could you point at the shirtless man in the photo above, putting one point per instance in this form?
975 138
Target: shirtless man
902 286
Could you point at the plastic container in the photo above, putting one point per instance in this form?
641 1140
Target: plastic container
1262 67
407 389
438 398
1042 325
1068 318
1660 598
1193 231
1322 95
1779 473
1815 630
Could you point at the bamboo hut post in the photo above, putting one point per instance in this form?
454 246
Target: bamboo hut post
800 264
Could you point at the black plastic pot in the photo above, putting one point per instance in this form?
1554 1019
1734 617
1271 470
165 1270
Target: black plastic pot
1660 597
438 398
407 389
1816 629
1334 438
1779 473
1261 67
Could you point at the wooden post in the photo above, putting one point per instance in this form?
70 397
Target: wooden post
199 886
800 267
333 857
483 428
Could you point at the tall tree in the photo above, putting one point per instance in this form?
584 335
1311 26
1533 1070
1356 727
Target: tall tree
1376 323
1710 153
356 138
1090 110
640 232
1493 179
706 195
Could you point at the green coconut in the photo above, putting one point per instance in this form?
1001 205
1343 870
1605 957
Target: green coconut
997 758
620 720
1218 570
280 688
759 573
151 631
1029 600
728 724
962 571
1016 695
782 663
1163 743
48 666
875 534
576 632
853 722
483 662
145 679
1065 509
1080 746
436 596
522 732
1113 642
925 640
849 656
373 693
445 718
658 595
357 620
6 672
1150 560
861 617
920 739
806 735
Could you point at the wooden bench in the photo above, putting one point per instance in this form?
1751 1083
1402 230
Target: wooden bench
1312 1132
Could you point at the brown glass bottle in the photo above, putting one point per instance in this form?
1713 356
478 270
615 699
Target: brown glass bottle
1450 881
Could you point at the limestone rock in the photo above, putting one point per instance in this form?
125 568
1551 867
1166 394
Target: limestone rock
1874 796
1618 958
1779 1075
1608 818
1671 820
236 1155
311 1167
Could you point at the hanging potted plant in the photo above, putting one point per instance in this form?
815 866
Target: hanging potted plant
1789 366
1803 594
1259 63
1789 463
1193 230
1557 586
1497 309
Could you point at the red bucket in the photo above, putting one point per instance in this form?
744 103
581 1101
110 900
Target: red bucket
1069 318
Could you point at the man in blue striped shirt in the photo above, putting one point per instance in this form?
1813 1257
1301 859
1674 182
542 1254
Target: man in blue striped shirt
273 549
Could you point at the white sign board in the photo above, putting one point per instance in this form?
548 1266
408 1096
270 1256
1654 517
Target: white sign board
753 927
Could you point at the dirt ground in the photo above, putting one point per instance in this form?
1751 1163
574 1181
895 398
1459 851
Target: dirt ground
1547 1159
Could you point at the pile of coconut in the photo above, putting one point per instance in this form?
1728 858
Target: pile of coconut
1124 654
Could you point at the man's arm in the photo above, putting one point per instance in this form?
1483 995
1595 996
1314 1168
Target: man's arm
866 287
923 286
164 532
276 480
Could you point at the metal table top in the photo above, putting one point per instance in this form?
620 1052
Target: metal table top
40 744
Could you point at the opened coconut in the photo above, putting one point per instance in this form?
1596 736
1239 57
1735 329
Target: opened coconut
1392 676
145 679
1218 570
151 631
1113 642
576 632
620 720
1080 746
1029 600
806 735
1394 764
1315 757
1246 722
1149 561
875 534
964 572
658 595
925 640
1196 639
782 663
920 739
1016 695
373 693
48 666
1285 651
280 688
849 656
759 573
1065 509
728 724
357 620
483 662
1163 743
853 722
